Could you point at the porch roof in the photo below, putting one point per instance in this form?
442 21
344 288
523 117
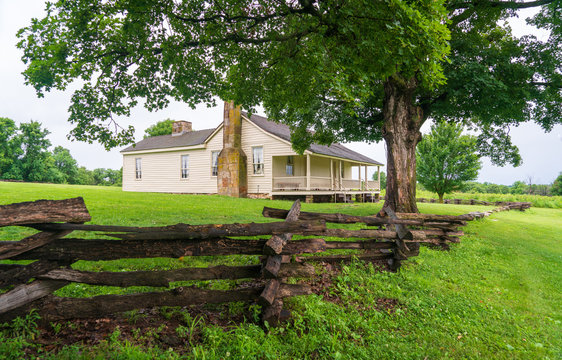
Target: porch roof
336 150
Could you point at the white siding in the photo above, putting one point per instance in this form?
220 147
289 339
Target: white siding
272 146
319 166
161 171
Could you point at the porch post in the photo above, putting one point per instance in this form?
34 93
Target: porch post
366 179
360 187
308 172
339 176
331 174
379 176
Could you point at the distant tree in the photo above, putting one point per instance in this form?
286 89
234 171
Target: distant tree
113 177
50 172
120 178
85 176
518 188
34 160
556 188
163 127
383 179
542 189
106 177
66 165
9 148
446 159
492 188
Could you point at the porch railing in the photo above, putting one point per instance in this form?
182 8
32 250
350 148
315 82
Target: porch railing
373 185
292 183
289 183
298 183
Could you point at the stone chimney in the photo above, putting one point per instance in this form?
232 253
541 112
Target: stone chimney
180 127
232 164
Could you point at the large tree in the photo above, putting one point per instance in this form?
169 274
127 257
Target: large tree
350 70
446 159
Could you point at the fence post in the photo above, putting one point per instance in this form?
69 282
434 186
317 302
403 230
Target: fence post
273 311
401 251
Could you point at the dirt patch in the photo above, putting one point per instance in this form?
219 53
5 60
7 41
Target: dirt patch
322 285
179 328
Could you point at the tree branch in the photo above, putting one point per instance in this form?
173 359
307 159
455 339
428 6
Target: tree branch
229 18
540 83
501 4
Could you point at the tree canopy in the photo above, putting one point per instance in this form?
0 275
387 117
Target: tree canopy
8 145
356 70
557 186
163 127
25 156
446 159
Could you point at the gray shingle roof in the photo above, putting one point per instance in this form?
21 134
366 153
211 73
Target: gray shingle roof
280 130
283 131
168 141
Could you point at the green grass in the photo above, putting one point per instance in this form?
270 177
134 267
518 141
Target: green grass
551 202
495 295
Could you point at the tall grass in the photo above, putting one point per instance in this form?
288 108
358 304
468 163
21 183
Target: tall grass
551 202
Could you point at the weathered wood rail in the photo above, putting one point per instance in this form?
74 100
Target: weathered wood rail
387 239
507 205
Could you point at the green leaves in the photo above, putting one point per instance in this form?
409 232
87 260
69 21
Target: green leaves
163 127
446 159
317 66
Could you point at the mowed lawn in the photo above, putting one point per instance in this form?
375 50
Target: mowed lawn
497 294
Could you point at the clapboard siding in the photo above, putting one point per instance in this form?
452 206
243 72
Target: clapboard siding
161 170
272 146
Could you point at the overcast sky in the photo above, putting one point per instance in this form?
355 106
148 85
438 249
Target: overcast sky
542 153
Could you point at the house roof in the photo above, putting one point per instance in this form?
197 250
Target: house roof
335 150
190 138
282 131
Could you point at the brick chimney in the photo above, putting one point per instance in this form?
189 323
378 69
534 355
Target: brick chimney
232 164
180 127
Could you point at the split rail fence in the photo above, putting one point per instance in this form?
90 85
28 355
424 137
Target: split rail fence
510 205
387 240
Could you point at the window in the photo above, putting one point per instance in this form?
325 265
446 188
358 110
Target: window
215 163
289 168
184 166
258 160
341 170
138 168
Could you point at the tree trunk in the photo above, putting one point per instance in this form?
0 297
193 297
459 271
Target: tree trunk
401 132
440 198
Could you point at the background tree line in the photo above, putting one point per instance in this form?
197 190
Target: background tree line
517 188
25 156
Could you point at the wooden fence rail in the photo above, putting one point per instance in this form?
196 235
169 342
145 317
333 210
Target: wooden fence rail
388 239
511 205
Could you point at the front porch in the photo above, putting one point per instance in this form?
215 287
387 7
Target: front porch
321 175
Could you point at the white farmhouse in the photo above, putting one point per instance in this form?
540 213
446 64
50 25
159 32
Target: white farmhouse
245 156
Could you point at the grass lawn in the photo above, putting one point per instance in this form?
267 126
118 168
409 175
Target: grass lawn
496 295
